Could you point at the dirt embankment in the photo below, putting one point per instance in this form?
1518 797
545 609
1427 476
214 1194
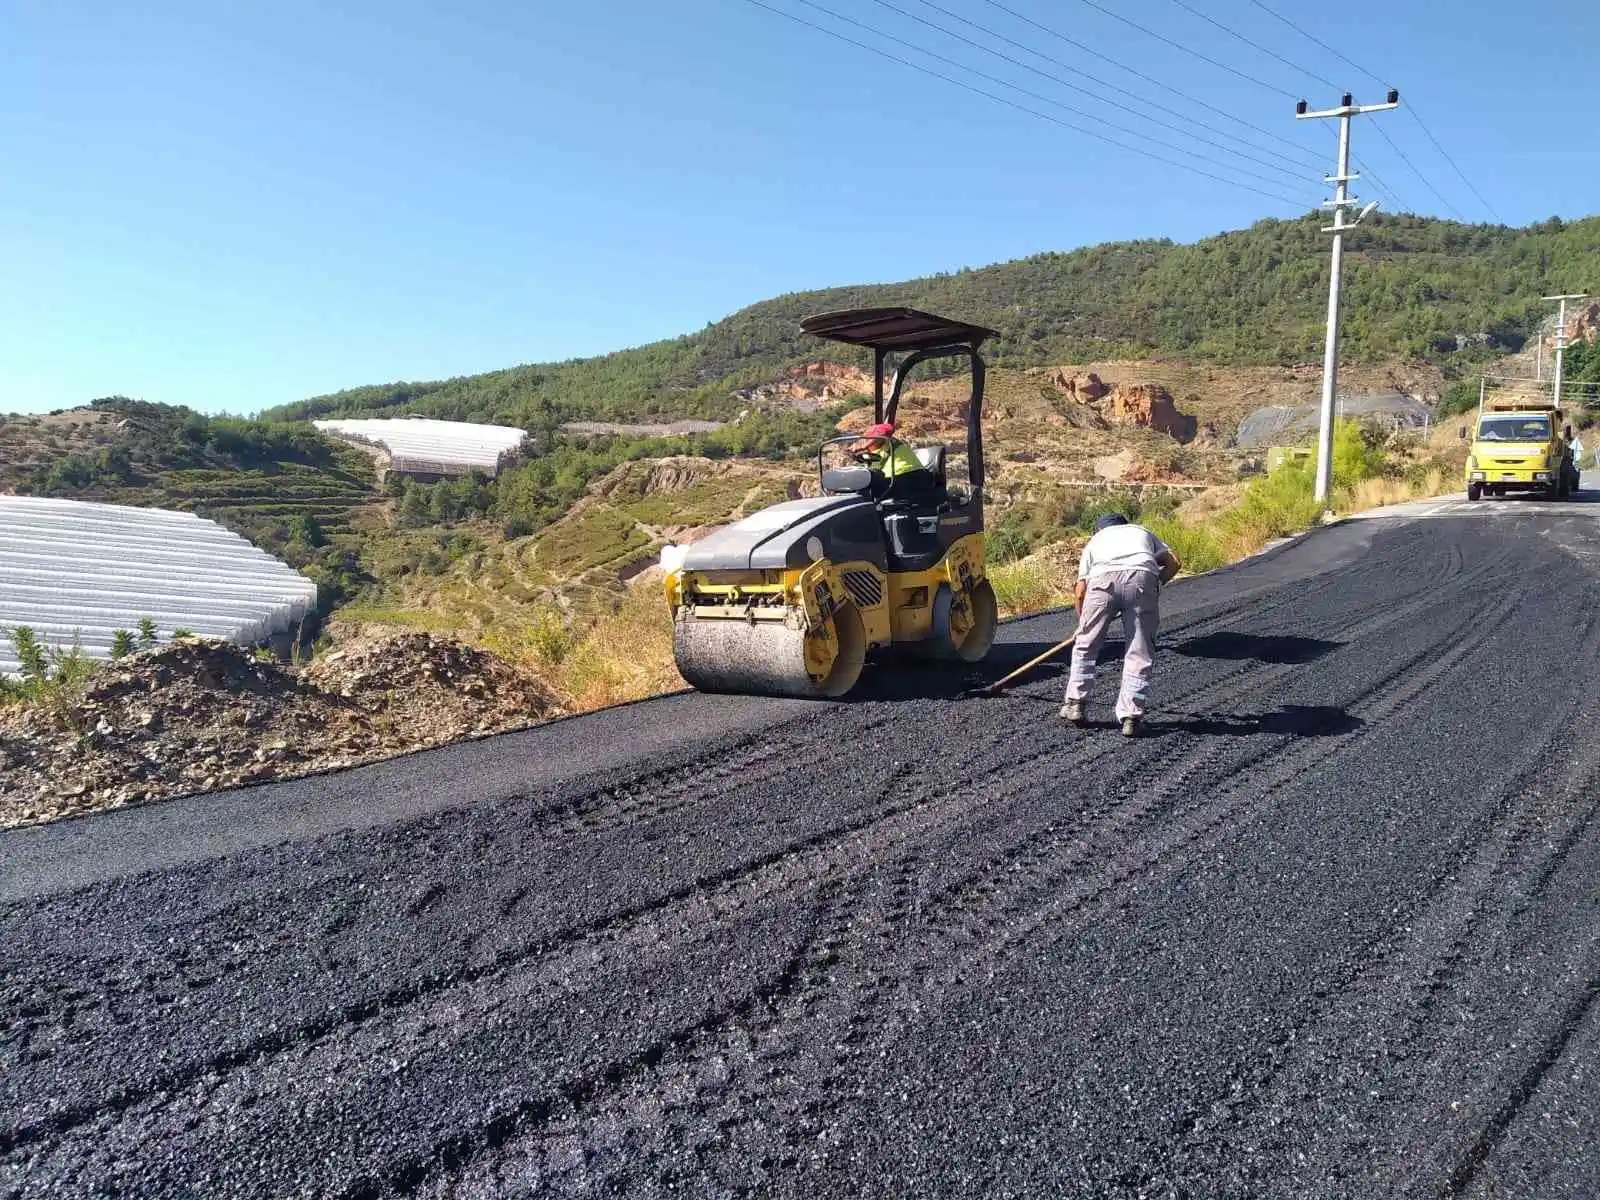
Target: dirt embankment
193 716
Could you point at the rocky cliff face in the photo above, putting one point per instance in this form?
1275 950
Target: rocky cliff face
1145 405
1584 325
810 386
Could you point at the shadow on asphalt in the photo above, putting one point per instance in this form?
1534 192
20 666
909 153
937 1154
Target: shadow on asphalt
900 677
1260 647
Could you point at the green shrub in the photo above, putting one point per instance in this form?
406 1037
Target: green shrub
1197 546
1461 396
307 530
1008 540
550 638
1025 587
48 673
1272 506
1357 453
30 653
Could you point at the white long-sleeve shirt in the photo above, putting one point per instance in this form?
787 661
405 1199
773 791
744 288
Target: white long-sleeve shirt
1122 548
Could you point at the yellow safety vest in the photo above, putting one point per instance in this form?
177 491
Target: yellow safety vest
903 460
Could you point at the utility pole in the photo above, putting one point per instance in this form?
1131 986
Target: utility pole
1342 202
1561 334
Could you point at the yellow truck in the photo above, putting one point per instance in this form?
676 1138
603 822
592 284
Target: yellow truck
1520 449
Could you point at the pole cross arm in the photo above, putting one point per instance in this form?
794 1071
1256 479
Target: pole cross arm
1352 110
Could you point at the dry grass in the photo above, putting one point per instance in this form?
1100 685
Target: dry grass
1206 536
624 656
1381 492
1029 585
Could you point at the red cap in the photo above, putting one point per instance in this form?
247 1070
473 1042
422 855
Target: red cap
878 431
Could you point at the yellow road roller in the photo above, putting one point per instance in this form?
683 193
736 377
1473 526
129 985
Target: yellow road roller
793 600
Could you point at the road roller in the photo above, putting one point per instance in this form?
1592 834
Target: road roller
886 563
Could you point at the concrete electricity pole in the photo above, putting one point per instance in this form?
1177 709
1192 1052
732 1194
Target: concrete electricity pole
1561 334
1342 201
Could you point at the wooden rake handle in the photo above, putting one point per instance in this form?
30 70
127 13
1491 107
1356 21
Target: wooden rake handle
1029 665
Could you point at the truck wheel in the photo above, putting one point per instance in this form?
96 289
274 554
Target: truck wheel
1474 491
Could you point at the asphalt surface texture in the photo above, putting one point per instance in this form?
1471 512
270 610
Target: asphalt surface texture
1331 929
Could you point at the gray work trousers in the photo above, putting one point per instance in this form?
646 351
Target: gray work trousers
1133 595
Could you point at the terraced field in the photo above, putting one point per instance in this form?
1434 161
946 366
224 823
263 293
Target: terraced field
581 564
242 499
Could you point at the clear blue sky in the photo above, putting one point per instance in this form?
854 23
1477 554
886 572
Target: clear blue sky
232 206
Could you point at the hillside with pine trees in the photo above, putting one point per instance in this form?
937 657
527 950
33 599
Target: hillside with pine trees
1416 289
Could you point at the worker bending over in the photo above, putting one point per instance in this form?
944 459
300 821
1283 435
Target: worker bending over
901 471
1120 573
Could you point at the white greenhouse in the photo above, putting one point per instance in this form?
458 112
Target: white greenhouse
75 571
422 446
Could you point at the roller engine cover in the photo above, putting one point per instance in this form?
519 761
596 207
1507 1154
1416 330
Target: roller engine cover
847 527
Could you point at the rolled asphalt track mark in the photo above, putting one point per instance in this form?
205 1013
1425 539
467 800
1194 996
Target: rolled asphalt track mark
1331 929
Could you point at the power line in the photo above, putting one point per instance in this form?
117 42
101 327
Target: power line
1009 103
1312 37
1428 183
1253 44
1005 83
1151 79
1189 50
1378 185
1417 116
1464 177
1307 71
1271 166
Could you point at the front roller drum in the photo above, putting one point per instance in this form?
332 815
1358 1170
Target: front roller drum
770 658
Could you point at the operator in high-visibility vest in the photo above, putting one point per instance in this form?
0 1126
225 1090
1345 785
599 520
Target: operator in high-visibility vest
895 461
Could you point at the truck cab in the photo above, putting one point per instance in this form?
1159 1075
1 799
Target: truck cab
1519 450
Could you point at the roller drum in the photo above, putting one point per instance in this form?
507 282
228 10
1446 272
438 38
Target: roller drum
765 658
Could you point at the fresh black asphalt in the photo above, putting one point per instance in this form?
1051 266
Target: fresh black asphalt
1331 929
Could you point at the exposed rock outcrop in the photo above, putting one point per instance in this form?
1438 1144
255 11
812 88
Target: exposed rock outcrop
649 476
1146 405
1583 325
1080 389
920 418
810 386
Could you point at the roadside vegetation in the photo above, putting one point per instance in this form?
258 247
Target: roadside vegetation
47 672
54 673
1370 469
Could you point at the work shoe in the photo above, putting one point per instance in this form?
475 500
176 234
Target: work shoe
1131 726
1072 711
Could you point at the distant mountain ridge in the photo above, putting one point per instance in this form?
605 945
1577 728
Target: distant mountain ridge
1415 288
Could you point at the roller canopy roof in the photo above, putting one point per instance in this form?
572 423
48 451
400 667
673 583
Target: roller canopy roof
894 329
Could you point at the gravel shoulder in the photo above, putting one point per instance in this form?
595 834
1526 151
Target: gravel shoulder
1329 931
